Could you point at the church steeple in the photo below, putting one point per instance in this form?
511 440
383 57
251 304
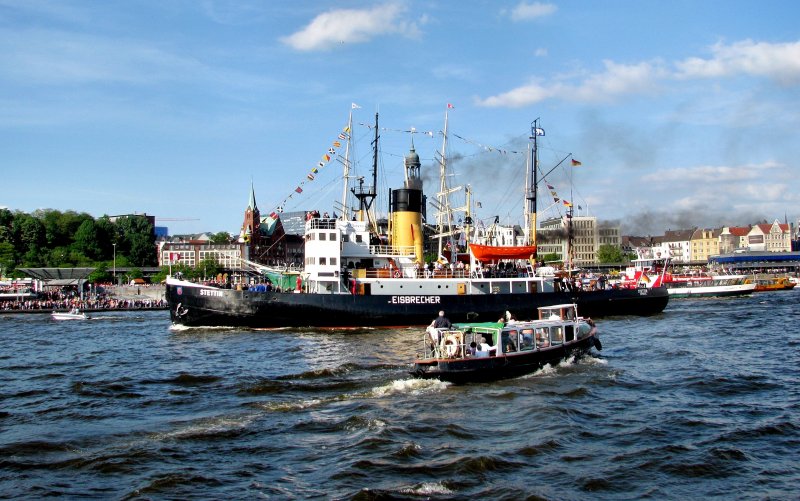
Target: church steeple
251 225
252 204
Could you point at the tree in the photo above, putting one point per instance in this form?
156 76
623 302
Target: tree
87 240
29 233
553 257
100 274
608 253
137 240
60 226
223 237
8 257
207 268
6 221
106 237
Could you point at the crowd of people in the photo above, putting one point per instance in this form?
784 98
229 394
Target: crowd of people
61 300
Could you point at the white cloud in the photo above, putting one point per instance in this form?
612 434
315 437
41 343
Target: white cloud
352 26
780 62
713 174
616 80
526 11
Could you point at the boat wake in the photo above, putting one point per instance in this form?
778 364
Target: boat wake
411 386
184 328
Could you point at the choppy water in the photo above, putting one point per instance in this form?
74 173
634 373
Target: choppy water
702 401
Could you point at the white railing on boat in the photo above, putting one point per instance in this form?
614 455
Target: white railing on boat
392 250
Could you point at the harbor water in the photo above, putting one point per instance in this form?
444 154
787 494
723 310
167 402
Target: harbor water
699 402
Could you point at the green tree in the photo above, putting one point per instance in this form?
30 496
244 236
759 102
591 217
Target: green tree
29 233
137 240
552 257
223 237
100 274
106 237
87 240
6 221
608 253
8 257
60 226
207 268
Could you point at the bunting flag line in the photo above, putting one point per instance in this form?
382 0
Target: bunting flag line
344 135
488 147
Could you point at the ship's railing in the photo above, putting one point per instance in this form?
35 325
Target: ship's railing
321 223
392 250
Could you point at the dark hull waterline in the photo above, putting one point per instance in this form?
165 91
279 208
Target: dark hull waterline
195 307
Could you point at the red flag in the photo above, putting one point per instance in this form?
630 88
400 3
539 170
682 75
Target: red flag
298 189
575 163
450 106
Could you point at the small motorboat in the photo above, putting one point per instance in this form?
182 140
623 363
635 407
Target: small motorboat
73 314
766 284
487 351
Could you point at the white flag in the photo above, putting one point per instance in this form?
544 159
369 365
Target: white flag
355 106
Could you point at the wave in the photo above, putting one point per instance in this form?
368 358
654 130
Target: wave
216 427
412 386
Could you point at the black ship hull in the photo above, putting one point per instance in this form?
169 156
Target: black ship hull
478 370
196 307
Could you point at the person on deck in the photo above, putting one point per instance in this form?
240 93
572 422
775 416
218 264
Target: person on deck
441 322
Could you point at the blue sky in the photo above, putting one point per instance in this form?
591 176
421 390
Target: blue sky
682 113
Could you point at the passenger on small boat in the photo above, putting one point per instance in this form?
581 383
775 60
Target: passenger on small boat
508 318
441 322
435 329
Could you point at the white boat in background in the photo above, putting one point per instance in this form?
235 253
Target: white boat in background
701 285
652 265
73 314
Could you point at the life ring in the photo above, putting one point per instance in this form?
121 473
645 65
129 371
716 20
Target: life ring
451 345
397 274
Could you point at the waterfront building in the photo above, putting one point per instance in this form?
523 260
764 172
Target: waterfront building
704 244
587 236
190 251
775 237
497 234
678 244
263 236
733 238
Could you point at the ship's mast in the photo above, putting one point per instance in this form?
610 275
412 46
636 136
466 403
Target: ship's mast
468 216
366 195
443 198
530 196
346 163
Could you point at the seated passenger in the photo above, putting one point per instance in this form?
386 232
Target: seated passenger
484 348
473 349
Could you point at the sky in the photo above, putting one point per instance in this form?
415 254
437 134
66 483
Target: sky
681 113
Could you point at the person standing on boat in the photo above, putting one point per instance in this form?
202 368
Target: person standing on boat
441 322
